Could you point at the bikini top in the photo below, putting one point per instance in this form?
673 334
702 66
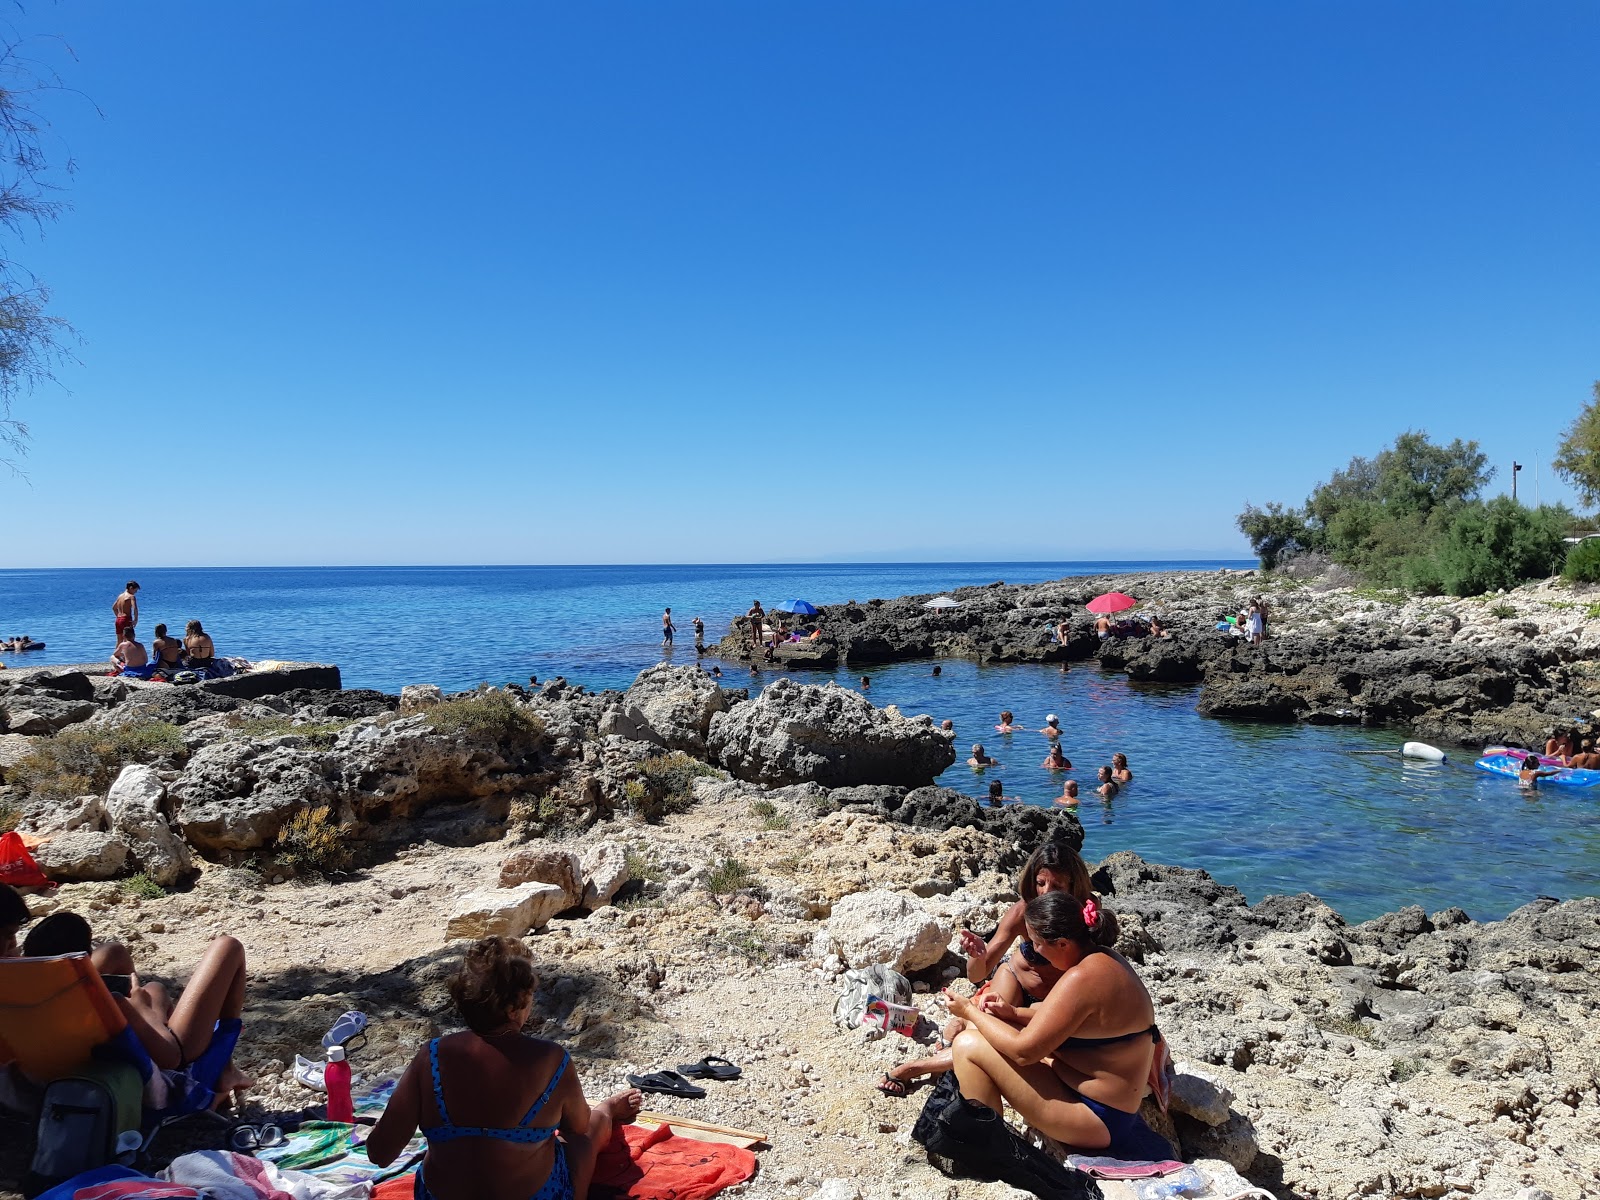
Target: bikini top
521 1133
1090 1043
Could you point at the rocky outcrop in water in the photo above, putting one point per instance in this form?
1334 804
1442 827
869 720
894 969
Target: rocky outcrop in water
797 733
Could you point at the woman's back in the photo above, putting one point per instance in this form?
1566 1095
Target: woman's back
494 1084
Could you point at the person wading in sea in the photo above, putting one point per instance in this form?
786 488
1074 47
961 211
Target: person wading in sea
125 609
667 628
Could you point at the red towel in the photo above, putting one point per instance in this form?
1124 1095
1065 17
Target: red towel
640 1163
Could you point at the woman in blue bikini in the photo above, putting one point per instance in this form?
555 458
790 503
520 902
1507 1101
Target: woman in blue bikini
1074 1065
513 1095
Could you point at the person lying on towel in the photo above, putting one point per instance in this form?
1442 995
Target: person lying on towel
504 1113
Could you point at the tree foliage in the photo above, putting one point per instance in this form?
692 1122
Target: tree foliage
1583 562
1578 455
31 338
1412 516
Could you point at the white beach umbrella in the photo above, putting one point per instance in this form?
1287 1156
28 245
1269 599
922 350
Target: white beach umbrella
942 602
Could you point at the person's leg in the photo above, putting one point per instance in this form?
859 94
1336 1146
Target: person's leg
111 957
215 992
1036 1092
584 1150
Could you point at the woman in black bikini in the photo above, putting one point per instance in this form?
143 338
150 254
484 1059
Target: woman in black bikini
1074 1065
1022 978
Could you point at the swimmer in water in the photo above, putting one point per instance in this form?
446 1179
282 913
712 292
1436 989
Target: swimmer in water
1109 787
1119 769
979 759
938 670
866 683
996 796
1069 795
1055 760
947 725
1006 724
1531 772
1052 726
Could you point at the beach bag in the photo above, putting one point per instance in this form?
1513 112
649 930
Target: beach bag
17 867
972 1140
84 1117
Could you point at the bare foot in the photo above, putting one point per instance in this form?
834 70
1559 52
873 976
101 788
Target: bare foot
232 1082
624 1106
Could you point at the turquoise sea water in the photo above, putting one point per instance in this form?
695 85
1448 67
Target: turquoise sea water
1264 808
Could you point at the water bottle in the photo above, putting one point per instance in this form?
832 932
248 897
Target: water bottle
336 1075
1170 1187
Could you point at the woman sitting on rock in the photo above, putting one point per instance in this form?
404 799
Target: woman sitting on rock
1019 979
529 1132
1075 1065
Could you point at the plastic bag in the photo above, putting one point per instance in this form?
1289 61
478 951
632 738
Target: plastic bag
17 867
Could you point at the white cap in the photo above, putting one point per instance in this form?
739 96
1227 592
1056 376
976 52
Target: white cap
335 1053
1049 718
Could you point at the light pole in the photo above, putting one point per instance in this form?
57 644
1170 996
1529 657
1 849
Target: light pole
1515 467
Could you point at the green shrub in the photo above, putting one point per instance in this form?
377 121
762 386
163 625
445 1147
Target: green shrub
1594 612
313 843
665 785
1498 545
1583 562
490 716
82 761
768 812
319 733
1502 612
142 886
10 814
729 875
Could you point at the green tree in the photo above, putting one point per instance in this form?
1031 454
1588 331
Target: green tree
1498 544
1274 531
1578 456
31 338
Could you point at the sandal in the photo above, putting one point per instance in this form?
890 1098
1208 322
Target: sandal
890 1086
668 1083
710 1067
345 1028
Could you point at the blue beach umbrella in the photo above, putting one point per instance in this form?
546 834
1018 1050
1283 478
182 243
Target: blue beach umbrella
799 607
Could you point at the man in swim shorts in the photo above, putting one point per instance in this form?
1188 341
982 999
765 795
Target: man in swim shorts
756 616
667 628
125 609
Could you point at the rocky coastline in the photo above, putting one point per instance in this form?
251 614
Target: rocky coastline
696 866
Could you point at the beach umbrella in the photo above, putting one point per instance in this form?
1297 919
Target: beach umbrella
942 602
800 608
1111 602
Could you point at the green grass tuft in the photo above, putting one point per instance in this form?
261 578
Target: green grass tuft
729 875
493 716
142 886
82 761
312 843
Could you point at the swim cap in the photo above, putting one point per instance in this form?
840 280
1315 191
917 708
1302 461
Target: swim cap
1049 718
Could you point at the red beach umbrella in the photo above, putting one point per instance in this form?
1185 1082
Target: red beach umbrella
1111 602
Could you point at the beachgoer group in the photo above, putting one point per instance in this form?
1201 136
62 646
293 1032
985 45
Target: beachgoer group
196 653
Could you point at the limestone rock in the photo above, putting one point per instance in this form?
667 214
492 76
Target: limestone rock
605 871
885 927
82 813
669 706
795 733
507 912
415 697
38 714
85 854
545 864
134 809
14 747
1197 1093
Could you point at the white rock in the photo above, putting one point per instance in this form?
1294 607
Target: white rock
415 697
605 870
507 912
81 813
545 864
837 1189
1199 1094
85 854
885 927
134 809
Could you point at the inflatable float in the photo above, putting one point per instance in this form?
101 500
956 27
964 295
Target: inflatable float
1509 764
1423 751
1519 752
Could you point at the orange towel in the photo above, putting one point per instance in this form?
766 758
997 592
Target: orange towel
657 1164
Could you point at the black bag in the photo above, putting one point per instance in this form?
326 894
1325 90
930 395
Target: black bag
980 1145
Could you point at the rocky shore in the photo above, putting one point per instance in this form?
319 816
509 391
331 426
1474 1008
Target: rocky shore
1474 671
695 867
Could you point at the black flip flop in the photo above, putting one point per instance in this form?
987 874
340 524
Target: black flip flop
710 1067
668 1083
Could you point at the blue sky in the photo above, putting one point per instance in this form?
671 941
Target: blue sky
602 282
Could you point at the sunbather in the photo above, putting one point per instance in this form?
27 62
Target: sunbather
530 1132
1018 979
1075 1065
197 1033
201 651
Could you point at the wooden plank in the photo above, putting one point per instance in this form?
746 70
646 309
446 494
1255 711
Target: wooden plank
686 1123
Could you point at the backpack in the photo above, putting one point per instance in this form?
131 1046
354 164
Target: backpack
83 1121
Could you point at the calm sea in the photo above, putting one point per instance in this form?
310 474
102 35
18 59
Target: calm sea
1264 808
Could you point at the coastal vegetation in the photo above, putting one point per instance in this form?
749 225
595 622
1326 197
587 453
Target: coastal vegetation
1578 455
311 843
1413 517
491 715
82 760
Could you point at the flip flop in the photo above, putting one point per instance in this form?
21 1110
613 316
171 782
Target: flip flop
890 1086
345 1028
668 1083
710 1067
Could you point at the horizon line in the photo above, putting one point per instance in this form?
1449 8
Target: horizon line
864 562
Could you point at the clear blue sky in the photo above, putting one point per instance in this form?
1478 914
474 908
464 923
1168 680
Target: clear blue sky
601 282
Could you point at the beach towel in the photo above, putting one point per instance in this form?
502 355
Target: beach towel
115 1181
225 1175
337 1153
656 1164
